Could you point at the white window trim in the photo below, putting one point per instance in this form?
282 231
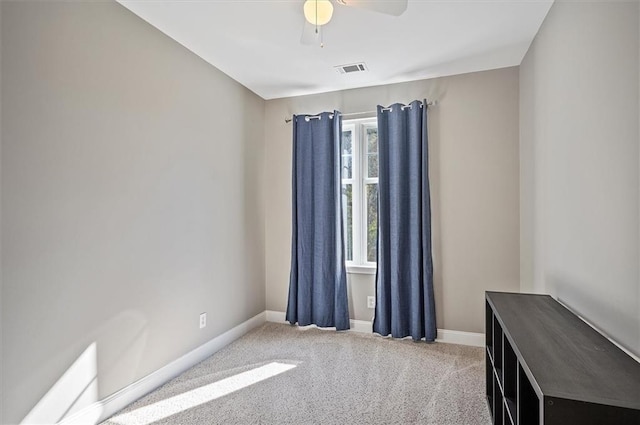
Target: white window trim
358 183
363 194
353 269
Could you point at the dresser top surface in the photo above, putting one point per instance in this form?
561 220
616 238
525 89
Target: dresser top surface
567 358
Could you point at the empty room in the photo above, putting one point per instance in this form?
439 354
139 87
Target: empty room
320 212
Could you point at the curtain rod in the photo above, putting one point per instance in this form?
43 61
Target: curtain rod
432 103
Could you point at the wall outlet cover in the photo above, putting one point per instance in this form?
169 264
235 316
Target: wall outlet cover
371 302
203 320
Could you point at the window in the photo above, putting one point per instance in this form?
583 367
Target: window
360 191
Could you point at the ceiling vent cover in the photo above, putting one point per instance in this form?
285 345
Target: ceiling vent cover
351 68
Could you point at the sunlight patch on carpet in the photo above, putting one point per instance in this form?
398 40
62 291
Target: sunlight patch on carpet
170 406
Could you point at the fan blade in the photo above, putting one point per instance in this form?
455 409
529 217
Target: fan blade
309 34
388 7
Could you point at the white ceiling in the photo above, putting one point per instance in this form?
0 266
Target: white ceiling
257 42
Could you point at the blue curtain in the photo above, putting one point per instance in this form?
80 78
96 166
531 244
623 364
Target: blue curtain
404 279
318 279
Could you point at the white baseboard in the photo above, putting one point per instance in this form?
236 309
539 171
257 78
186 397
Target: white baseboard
101 410
364 326
276 316
459 337
361 326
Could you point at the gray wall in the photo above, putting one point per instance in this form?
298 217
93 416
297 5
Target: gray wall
1 314
579 95
131 198
474 180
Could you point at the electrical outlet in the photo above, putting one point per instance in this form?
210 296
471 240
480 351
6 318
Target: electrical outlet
203 320
371 302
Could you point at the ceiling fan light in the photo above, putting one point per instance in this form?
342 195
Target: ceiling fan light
318 12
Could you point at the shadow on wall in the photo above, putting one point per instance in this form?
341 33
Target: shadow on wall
113 356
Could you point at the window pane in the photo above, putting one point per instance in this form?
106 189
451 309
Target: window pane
372 165
372 139
372 221
372 152
347 145
347 166
347 205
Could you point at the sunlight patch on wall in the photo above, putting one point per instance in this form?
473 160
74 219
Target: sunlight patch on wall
76 388
170 406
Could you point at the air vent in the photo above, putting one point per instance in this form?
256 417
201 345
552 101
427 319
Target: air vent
351 68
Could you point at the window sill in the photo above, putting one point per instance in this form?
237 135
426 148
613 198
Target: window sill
361 269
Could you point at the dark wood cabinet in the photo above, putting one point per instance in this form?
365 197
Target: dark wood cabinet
545 366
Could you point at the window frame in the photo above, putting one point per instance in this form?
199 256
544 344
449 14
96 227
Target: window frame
359 181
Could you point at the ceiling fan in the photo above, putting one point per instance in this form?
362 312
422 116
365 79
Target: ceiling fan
319 12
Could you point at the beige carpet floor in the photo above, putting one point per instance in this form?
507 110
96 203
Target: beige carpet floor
280 374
